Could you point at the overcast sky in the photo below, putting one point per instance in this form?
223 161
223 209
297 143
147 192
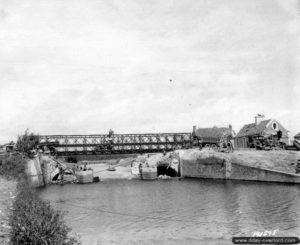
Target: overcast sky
138 66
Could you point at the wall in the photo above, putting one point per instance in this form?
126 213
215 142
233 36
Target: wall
203 168
218 168
251 173
49 169
34 172
240 142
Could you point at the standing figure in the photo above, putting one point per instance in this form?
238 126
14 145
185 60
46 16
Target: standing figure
61 173
141 170
74 168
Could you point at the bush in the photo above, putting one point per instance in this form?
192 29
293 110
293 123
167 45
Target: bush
13 166
34 221
27 142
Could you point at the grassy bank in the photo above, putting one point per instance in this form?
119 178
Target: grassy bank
12 166
7 195
32 220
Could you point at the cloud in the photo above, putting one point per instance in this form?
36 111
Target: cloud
84 67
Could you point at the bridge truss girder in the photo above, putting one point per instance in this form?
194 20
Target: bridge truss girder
117 143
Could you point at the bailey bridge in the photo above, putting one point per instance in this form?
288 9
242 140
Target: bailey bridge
115 143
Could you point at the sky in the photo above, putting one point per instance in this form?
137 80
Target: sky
147 66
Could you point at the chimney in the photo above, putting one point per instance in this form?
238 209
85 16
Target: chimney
259 118
194 130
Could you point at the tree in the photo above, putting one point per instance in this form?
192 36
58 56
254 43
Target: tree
27 142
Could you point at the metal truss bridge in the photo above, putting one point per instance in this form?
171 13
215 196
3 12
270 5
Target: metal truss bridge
115 143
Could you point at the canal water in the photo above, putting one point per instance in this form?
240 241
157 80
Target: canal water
186 211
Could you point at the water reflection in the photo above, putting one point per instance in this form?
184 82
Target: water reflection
198 211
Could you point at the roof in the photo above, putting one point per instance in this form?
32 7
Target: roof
214 132
262 129
9 144
253 129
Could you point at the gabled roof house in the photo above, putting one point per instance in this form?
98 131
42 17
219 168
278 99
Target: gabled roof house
213 135
260 128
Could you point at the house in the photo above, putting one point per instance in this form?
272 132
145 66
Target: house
9 147
212 136
261 130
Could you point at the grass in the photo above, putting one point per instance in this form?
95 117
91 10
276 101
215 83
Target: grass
12 166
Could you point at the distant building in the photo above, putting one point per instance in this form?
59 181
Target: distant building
9 146
210 136
261 129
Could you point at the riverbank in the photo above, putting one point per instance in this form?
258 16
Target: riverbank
8 194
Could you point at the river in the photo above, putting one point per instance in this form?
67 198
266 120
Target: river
187 211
